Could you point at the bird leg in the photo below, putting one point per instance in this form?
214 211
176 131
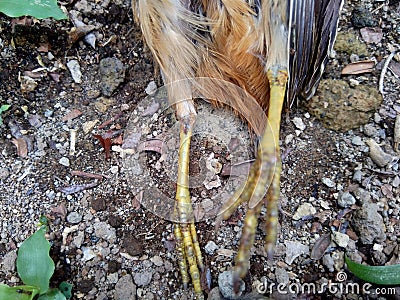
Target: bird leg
185 231
264 178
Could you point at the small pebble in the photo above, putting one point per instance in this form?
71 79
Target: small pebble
396 182
328 262
151 88
225 284
74 217
75 69
357 176
4 173
125 288
305 209
289 139
211 247
281 276
64 161
298 122
341 239
357 141
377 154
143 278
370 130
346 199
157 260
328 182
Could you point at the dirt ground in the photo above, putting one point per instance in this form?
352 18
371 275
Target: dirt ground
109 211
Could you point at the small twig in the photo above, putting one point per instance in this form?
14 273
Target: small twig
384 70
151 230
72 141
87 175
378 8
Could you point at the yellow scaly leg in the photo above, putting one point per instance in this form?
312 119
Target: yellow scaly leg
185 232
264 178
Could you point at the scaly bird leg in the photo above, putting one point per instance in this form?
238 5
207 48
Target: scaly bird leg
264 178
185 231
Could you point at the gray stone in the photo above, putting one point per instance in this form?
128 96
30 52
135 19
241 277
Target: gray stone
357 176
112 73
125 289
328 182
369 224
104 231
74 217
64 161
211 247
151 88
8 264
143 278
281 276
214 294
294 250
304 210
157 260
226 287
346 199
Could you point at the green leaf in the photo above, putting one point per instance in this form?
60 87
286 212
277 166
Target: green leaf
4 107
66 289
23 292
386 275
34 265
40 9
53 294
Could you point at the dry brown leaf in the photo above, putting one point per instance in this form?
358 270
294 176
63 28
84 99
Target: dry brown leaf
59 210
394 66
87 175
360 67
320 246
32 74
155 145
137 200
106 143
22 147
72 115
79 32
43 47
78 188
371 35
237 169
55 76
149 111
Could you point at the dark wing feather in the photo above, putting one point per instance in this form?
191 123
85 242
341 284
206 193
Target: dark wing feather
313 27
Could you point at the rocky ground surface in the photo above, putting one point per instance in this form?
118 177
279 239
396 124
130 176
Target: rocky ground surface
111 237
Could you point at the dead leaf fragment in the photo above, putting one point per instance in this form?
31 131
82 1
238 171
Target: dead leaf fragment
72 115
320 246
28 84
106 143
155 145
22 147
59 210
394 66
397 133
55 76
78 188
79 32
371 35
359 67
43 47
